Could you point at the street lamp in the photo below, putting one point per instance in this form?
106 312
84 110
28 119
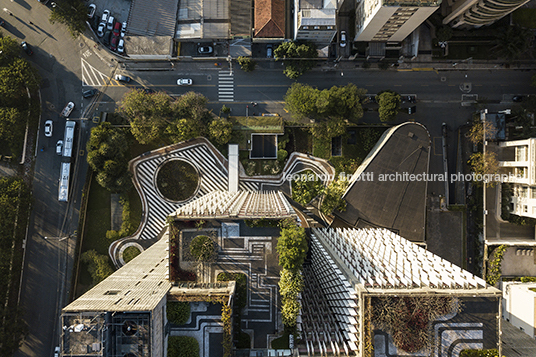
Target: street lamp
60 238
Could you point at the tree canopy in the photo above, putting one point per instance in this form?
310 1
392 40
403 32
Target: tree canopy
513 42
389 103
296 57
220 130
303 101
71 13
107 151
292 246
98 265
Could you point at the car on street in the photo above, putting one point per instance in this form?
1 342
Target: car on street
205 50
67 110
123 29
57 351
110 22
91 10
100 29
89 93
184 82
518 98
121 46
121 78
59 147
269 51
2 23
343 39
26 47
48 128
105 15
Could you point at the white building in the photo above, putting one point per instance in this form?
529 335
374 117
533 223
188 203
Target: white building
517 160
477 13
519 300
391 20
315 21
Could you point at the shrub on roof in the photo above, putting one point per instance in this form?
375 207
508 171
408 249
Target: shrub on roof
182 346
178 312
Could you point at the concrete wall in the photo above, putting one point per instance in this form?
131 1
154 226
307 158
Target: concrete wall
374 22
415 21
158 322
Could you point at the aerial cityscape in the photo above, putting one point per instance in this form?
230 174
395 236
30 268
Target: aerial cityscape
202 178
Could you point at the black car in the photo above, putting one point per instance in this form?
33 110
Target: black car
89 93
2 23
106 38
26 47
517 98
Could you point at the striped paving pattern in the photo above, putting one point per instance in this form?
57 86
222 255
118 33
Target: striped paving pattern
225 86
212 174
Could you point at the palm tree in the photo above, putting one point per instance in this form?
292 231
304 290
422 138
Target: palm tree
513 43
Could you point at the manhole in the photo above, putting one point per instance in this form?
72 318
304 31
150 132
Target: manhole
209 77
443 79
81 44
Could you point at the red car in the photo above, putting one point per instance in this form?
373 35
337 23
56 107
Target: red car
113 42
117 29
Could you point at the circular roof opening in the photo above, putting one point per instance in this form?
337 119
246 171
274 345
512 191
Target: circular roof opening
130 328
177 180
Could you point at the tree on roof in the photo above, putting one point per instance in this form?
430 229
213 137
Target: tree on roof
292 246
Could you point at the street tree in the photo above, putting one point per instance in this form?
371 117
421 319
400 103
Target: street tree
300 100
292 247
389 103
71 13
10 50
296 57
148 114
107 151
12 127
220 130
247 63
343 102
513 43
476 132
484 164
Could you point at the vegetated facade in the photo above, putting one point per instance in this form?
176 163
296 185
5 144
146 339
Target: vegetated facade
517 159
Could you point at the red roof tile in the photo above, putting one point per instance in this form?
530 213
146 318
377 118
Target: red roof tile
269 19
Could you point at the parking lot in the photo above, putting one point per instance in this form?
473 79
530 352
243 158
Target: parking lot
119 9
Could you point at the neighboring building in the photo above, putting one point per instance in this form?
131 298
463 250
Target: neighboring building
518 159
391 20
519 306
351 271
477 13
315 21
269 21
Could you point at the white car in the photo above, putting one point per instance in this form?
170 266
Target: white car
100 29
57 351
67 110
343 39
111 21
48 128
105 15
184 82
121 46
59 147
123 29
91 10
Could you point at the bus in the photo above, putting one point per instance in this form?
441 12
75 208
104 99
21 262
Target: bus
64 181
69 138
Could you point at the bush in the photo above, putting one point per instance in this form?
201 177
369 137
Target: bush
98 265
182 346
246 63
282 154
177 180
307 187
292 246
130 253
333 197
178 312
203 248
494 265
241 293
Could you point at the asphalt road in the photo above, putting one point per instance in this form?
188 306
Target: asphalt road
68 66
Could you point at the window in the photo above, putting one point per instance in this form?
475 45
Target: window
525 208
112 292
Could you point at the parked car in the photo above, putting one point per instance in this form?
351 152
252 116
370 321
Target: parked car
105 15
100 29
26 47
91 10
205 50
123 29
117 29
113 42
121 78
121 46
59 147
67 110
343 39
2 23
107 37
184 82
269 51
57 351
48 128
518 98
110 23
89 93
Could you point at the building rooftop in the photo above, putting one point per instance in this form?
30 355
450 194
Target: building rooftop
237 205
146 19
269 19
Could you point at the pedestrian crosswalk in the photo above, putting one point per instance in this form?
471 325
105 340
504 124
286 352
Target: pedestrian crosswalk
225 86
212 175
93 77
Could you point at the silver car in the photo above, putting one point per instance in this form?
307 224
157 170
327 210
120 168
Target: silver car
48 128
184 82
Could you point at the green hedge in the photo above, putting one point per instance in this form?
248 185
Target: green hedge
130 253
182 346
178 312
479 353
